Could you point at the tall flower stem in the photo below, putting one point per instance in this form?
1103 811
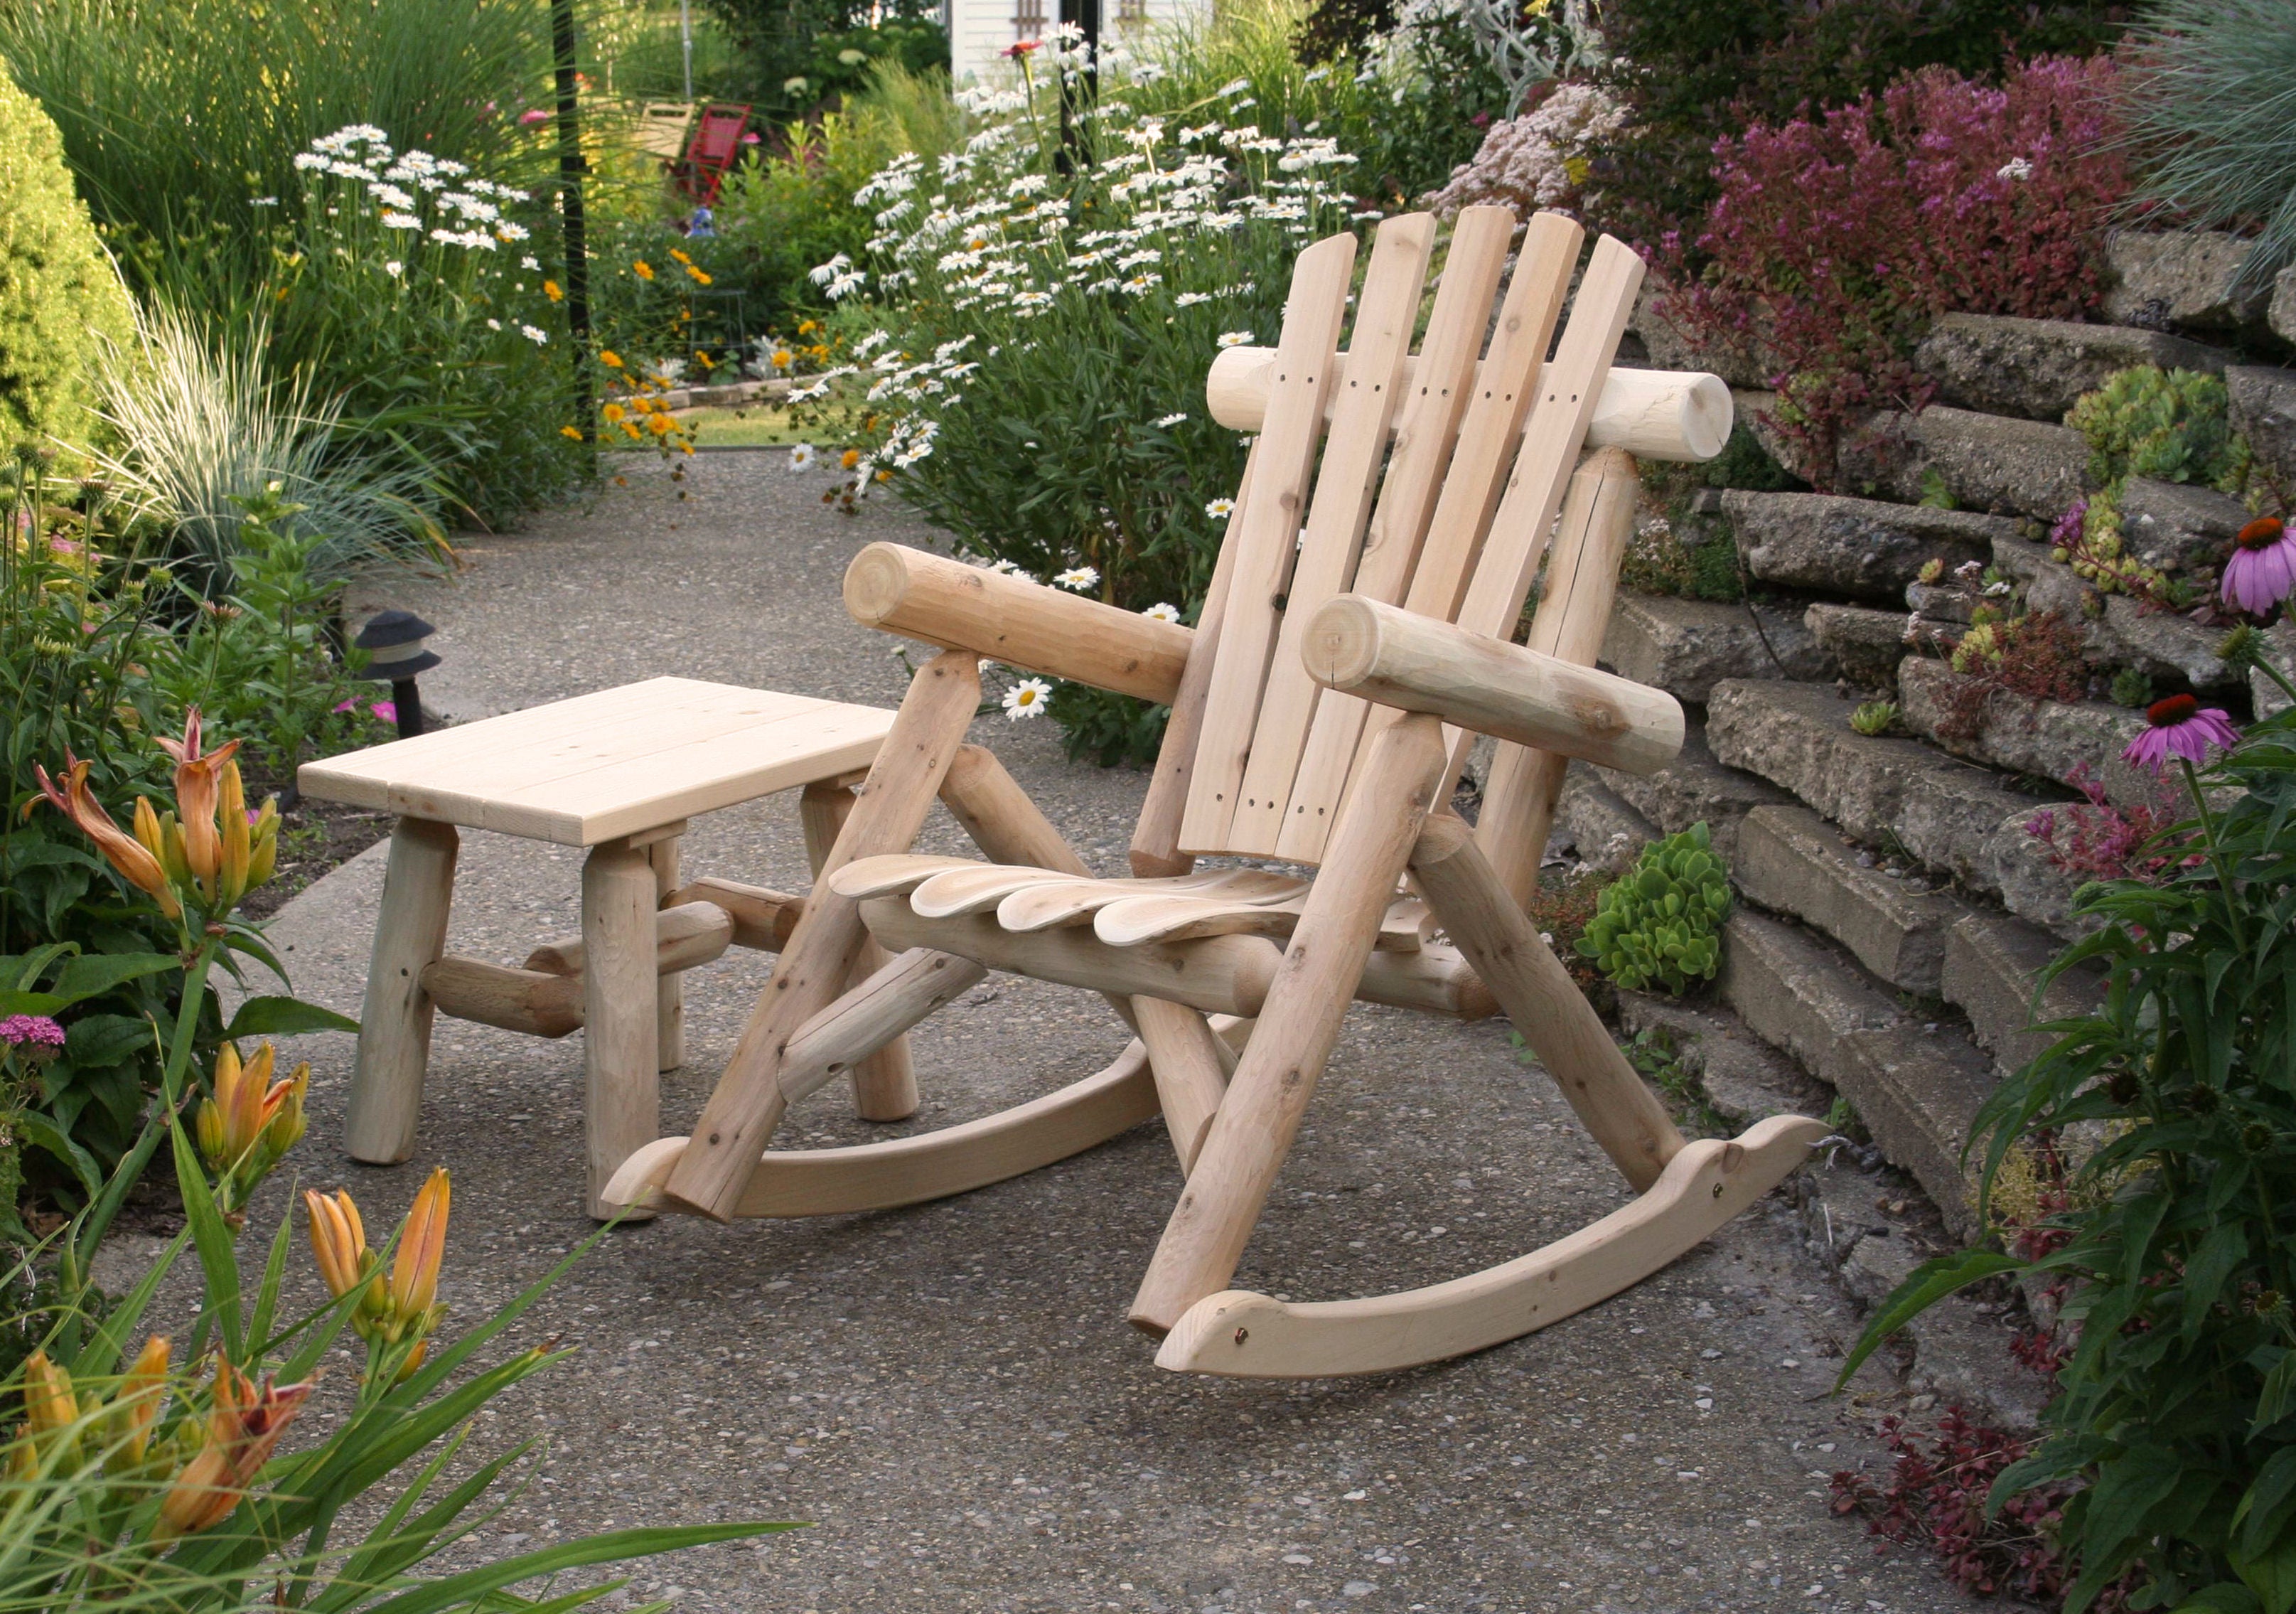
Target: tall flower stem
2215 856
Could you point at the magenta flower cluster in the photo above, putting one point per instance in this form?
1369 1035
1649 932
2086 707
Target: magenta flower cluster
35 1032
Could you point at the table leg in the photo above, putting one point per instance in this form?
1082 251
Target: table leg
621 1061
885 1083
669 1003
394 1039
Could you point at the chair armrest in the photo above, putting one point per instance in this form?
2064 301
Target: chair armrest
1022 624
1384 654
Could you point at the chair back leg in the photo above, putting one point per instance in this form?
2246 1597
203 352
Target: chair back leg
1297 1025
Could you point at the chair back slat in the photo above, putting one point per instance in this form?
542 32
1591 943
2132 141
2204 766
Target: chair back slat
1264 534
1387 313
1425 428
1258 758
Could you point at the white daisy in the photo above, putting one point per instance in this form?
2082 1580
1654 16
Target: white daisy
394 268
1162 611
1026 699
1234 339
801 457
534 334
1171 420
1220 509
1078 578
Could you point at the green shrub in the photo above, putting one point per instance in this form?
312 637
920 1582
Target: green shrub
1694 72
790 48
1659 924
60 297
2167 1235
2208 94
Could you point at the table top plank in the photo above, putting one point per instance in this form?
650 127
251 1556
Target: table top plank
612 763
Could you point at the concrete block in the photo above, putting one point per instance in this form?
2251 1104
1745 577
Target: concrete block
1866 644
1694 787
1744 1079
2280 313
1684 646
1857 547
1918 1089
1607 832
1993 961
2038 368
1797 736
1796 993
2182 280
1985 462
2053 739
1791 861
2264 403
2178 526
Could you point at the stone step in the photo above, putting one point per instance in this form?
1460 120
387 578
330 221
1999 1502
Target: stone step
1865 643
1684 646
1745 1080
1861 548
1983 461
1791 861
2038 368
1954 819
1604 830
2264 400
2176 526
1993 964
1916 1085
2058 740
2119 631
1694 787
2183 280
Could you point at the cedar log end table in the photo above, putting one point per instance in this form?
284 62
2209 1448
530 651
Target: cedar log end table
620 772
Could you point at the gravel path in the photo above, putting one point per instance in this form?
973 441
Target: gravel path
950 1393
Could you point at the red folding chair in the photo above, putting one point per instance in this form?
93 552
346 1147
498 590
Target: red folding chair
715 144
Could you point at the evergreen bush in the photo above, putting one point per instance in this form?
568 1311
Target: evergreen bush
60 297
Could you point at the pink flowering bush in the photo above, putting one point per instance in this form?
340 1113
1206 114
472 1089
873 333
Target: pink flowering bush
1540 159
1836 240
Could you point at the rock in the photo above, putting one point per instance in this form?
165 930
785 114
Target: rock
2181 279
2176 526
2038 368
1607 832
2054 739
1856 546
2161 644
1962 1355
2014 866
1984 462
1939 602
1791 861
1992 963
1744 1079
2280 650
1683 646
1693 788
2281 316
1917 1090
1796 993
122 1260
2264 403
1865 644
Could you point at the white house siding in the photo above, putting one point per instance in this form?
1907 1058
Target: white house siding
979 31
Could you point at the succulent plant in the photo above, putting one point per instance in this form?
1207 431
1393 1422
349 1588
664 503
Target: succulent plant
1657 926
1874 718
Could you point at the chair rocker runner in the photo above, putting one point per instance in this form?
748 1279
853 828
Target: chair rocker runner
1395 510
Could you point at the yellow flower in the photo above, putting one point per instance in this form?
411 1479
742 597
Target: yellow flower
681 257
551 289
613 413
884 476
135 1408
700 277
849 458
573 432
607 356
50 1406
807 327
780 358
660 423
641 269
630 426
250 1122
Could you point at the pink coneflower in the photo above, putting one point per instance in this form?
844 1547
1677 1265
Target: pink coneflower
2263 564
534 115
2183 727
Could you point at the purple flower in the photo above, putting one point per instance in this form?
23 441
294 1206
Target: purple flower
2263 565
2182 727
38 1033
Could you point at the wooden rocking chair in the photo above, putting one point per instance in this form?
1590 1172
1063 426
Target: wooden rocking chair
1310 714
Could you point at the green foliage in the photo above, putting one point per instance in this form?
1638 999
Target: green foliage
60 297
1745 462
2207 94
2132 687
2177 1404
1875 719
1659 924
1691 557
790 49
1696 71
2171 425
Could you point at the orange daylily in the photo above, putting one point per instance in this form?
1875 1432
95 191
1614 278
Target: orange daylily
131 857
198 787
421 1248
136 1407
244 1426
252 1120
407 1306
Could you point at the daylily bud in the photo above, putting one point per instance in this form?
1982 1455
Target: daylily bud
285 1128
136 1406
50 1407
263 857
231 811
346 1264
147 831
421 1246
249 1122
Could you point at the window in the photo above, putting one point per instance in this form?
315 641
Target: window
1131 14
1027 19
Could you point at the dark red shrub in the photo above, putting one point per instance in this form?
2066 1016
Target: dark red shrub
1835 241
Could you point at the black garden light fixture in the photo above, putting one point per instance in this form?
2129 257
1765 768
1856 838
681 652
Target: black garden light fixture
396 644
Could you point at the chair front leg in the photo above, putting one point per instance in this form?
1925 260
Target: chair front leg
1298 1027
730 1138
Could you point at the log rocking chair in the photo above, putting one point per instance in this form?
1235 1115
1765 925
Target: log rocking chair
1354 641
